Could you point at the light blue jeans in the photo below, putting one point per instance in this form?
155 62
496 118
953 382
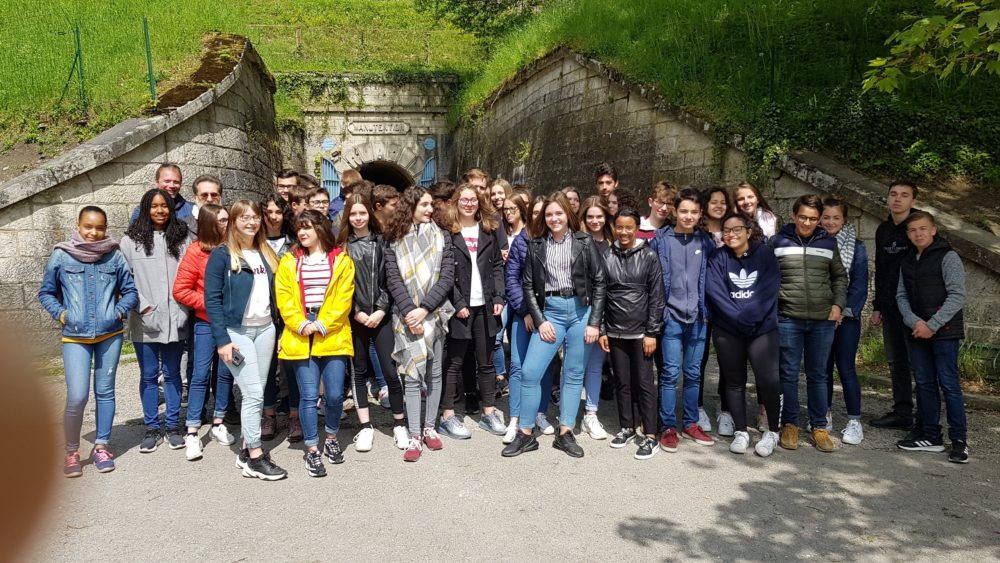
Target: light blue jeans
256 343
519 339
569 318
592 377
499 359
77 361
683 347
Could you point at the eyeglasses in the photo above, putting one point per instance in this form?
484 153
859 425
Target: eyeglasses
249 218
662 204
804 219
735 231
320 202
223 221
466 201
509 209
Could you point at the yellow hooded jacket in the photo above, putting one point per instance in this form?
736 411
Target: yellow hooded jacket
334 335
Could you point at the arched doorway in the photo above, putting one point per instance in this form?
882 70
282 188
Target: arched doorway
386 172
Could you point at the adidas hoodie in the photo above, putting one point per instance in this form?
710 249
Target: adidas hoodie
742 291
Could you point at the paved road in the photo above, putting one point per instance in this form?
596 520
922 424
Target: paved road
869 502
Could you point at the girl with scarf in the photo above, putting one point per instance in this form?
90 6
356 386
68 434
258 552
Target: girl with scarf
420 272
848 334
88 274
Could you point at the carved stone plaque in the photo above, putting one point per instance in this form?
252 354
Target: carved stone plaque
378 128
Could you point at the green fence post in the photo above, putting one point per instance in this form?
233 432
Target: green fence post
83 79
149 61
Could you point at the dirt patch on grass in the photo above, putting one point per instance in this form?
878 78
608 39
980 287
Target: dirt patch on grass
221 53
23 157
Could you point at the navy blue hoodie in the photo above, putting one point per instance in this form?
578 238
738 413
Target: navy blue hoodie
742 291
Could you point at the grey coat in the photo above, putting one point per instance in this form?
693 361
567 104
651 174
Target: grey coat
154 278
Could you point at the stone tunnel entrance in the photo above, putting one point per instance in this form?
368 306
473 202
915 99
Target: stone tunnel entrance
386 172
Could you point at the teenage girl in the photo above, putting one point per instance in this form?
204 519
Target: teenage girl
596 218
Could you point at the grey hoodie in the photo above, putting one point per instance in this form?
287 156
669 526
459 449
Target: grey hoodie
154 278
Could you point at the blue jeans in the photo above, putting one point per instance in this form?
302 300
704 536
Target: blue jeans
499 358
519 339
204 354
332 370
153 357
376 366
845 350
935 365
569 318
683 346
256 344
812 340
77 361
592 377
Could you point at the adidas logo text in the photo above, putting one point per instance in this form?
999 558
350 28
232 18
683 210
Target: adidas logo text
745 294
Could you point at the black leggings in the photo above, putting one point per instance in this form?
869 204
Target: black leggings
635 389
733 351
455 359
382 336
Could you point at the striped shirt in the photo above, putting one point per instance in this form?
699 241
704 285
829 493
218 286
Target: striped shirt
558 262
315 275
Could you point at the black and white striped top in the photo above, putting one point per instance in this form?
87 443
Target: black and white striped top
558 260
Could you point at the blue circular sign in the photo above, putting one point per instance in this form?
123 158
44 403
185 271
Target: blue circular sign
430 143
327 144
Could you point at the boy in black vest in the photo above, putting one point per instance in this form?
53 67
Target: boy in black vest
930 295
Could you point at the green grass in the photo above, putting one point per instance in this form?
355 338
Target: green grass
291 35
785 73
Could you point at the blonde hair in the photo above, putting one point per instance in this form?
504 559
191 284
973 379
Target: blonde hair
259 242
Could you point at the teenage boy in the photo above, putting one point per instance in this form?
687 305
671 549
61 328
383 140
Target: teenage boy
347 181
477 178
661 210
606 178
930 296
285 181
812 295
891 245
384 201
300 196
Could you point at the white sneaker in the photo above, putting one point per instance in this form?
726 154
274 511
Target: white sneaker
726 425
853 433
592 425
221 435
401 436
704 422
364 439
740 442
543 424
765 446
511 431
192 447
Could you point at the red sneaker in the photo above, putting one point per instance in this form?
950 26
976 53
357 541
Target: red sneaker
694 432
413 450
669 440
432 439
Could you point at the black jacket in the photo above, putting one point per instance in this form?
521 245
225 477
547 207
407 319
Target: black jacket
490 263
891 244
588 277
371 291
635 299
926 290
436 296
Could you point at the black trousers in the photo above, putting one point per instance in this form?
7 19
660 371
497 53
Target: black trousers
382 336
635 387
894 334
762 351
482 347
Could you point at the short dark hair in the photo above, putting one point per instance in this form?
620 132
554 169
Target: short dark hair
605 169
167 166
442 190
91 209
206 178
308 180
689 194
363 187
834 202
808 200
907 183
918 215
382 193
629 212
286 173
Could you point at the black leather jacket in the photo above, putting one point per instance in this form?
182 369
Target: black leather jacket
587 274
635 299
371 292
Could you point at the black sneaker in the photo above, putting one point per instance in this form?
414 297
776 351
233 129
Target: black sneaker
959 452
647 448
522 443
175 438
921 444
893 421
242 459
314 464
332 450
622 438
567 443
265 469
151 440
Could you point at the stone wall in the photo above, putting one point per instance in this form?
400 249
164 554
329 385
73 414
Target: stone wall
550 125
228 131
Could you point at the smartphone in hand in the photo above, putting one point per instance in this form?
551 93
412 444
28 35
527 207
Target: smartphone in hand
237 358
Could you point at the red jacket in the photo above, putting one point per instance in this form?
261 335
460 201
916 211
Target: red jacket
189 286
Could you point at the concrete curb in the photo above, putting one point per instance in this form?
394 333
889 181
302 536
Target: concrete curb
972 400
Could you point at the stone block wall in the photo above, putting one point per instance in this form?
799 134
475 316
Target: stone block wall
228 131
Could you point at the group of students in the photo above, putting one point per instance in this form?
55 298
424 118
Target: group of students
417 290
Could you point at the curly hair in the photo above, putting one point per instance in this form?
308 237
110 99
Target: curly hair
756 234
401 222
141 231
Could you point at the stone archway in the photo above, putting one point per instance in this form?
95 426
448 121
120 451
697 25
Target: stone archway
386 172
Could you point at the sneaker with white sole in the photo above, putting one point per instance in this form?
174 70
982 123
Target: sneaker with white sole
647 448
767 443
622 438
592 426
741 441
453 427
853 433
221 435
493 423
401 436
192 447
542 422
511 433
726 425
364 439
314 464
704 422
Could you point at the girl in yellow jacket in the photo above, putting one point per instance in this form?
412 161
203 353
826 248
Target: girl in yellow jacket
314 288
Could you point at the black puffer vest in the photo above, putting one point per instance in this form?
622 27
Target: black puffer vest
923 279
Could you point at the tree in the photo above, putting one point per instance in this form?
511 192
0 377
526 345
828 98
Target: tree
486 19
966 40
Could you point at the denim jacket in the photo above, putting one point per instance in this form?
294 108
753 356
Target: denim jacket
95 297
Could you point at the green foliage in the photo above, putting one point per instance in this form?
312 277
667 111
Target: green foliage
967 40
488 20
784 74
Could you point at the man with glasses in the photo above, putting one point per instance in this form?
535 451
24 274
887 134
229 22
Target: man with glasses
813 293
661 210
207 190
285 181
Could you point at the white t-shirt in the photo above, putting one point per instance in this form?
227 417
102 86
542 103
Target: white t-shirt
471 236
258 312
